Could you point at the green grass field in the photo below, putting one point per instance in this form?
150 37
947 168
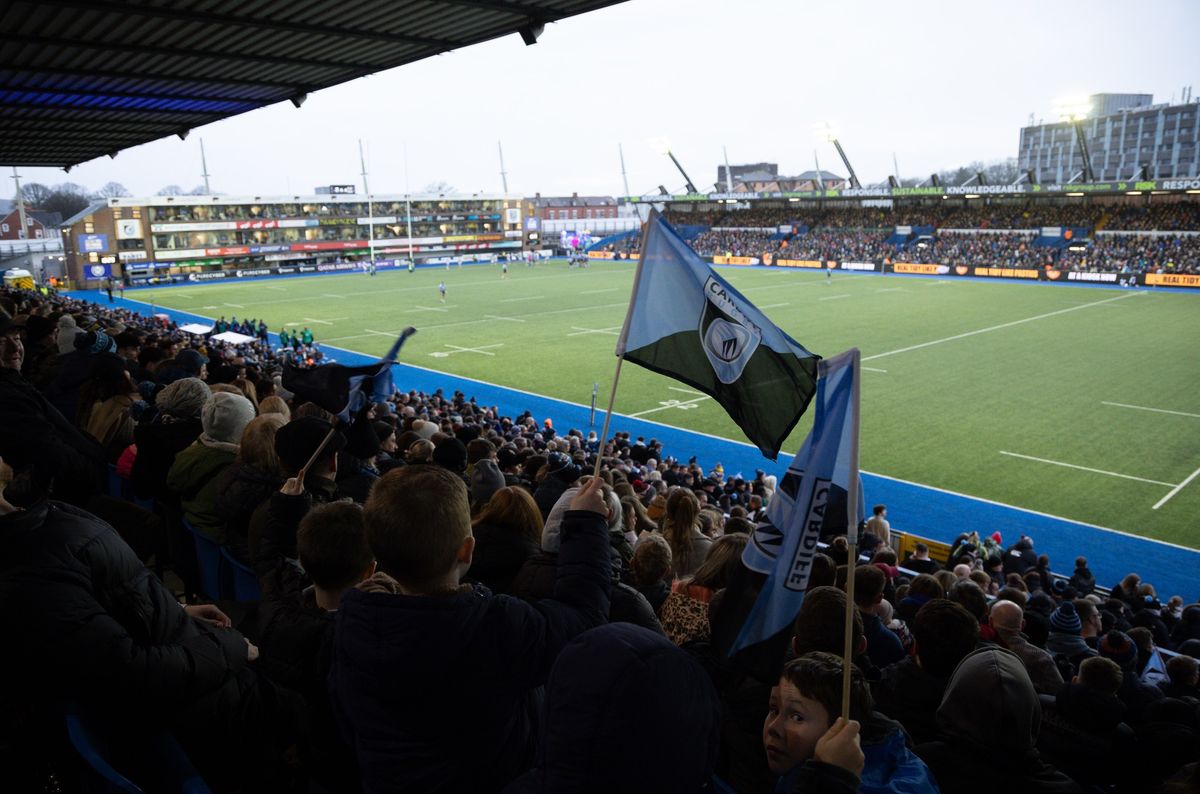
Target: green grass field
960 373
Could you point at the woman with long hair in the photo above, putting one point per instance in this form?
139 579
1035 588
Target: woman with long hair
255 474
681 528
684 614
508 531
104 402
636 520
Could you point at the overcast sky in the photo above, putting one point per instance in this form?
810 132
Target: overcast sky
938 83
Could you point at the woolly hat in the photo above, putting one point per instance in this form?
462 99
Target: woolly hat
424 429
38 327
224 417
190 360
184 398
507 457
1065 619
485 480
451 454
67 329
94 342
1118 646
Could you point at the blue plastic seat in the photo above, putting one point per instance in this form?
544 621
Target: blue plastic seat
163 764
208 561
245 583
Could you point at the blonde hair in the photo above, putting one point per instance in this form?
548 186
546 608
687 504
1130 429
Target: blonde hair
258 443
420 451
679 524
248 390
513 509
275 405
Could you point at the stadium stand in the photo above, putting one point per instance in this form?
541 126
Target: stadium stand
373 638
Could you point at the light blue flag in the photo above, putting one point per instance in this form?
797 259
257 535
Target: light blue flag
823 474
687 322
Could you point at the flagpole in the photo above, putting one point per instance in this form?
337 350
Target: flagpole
324 443
851 537
612 397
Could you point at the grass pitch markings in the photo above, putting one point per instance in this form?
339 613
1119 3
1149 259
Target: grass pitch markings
612 330
598 291
1147 408
999 327
526 298
668 404
833 297
1175 490
1095 471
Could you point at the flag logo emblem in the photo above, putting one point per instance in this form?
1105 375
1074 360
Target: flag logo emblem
728 337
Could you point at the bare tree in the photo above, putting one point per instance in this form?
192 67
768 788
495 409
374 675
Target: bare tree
198 190
68 199
439 189
171 190
35 193
113 190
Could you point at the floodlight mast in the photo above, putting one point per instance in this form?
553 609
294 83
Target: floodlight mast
826 131
370 207
691 188
1074 111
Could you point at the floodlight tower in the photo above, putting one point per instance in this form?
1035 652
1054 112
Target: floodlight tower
1074 110
663 146
825 131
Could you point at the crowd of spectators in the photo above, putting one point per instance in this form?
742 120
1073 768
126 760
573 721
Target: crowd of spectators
1008 249
735 243
1123 253
843 245
451 602
1175 217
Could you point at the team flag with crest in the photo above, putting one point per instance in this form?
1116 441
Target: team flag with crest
343 390
688 323
822 482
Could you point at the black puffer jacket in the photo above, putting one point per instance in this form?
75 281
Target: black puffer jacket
499 555
1083 735
536 578
158 442
96 625
242 488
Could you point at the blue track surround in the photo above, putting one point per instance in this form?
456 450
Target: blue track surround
922 509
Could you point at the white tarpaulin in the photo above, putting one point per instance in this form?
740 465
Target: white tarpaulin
232 338
196 328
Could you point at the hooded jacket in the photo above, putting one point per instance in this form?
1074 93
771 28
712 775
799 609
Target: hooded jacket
158 442
241 489
988 724
441 693
613 683
1084 736
911 696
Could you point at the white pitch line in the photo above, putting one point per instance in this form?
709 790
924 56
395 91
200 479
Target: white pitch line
498 317
999 327
892 289
458 323
612 331
1086 468
598 291
673 404
482 349
212 307
688 391
772 306
377 333
427 309
873 369
526 298
277 289
1155 410
334 295
1175 490
235 305
833 297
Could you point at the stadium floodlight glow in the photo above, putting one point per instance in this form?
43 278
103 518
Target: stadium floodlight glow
1075 195
1133 192
972 196
1192 192
1072 108
826 131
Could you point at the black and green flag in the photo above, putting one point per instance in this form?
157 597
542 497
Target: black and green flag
687 322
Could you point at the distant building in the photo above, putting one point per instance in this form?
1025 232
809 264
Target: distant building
1127 137
200 238
38 225
572 207
740 172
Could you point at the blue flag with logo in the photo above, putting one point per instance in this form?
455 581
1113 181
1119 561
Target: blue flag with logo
688 323
822 479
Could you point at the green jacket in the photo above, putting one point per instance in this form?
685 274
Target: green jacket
194 477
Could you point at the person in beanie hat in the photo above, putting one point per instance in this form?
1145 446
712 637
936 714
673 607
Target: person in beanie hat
1134 693
75 368
485 481
1066 634
561 473
450 453
195 474
164 433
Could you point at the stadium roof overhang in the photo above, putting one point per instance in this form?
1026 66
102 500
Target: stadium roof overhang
81 79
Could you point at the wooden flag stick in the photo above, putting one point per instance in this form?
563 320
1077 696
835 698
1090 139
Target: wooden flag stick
324 443
852 519
848 651
612 398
